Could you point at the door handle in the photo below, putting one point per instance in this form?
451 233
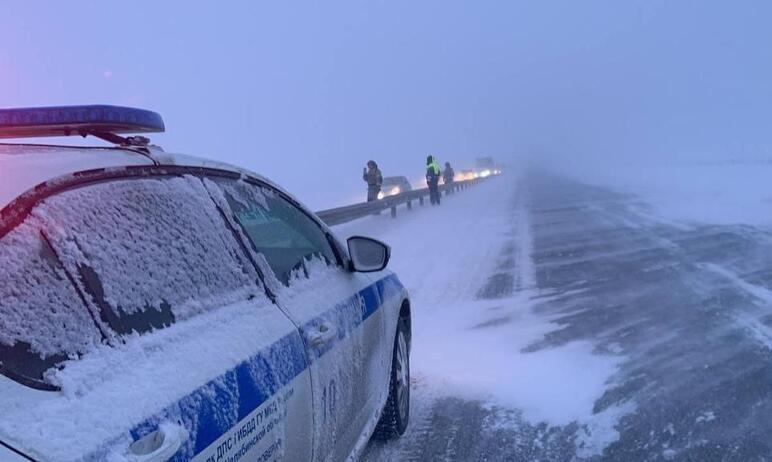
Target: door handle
158 446
322 334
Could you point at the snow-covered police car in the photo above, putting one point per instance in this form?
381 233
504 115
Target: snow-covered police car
160 307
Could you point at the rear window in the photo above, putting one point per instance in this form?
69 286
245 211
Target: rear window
42 319
144 253
148 251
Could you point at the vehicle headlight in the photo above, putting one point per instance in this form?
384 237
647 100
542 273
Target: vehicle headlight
485 173
395 190
380 195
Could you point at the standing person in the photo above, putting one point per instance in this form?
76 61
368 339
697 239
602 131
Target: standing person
372 175
433 179
447 176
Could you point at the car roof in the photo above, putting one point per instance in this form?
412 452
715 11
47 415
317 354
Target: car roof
22 167
25 166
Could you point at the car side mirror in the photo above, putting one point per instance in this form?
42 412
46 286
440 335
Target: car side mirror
368 255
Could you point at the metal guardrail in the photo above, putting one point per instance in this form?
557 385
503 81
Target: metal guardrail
348 213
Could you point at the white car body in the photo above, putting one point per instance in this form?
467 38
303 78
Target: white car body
302 376
393 185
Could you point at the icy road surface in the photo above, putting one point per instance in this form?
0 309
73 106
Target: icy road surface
560 321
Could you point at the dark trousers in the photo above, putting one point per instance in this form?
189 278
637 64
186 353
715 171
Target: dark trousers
372 194
434 192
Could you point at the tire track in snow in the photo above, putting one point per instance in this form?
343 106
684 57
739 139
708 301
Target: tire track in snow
688 306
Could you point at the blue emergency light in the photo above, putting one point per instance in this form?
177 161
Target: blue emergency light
99 120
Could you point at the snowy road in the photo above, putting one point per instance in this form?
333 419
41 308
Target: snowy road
561 321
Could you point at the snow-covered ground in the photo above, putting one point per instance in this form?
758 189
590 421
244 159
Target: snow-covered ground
729 192
619 317
475 347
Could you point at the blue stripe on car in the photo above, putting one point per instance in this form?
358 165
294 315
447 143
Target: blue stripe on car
370 299
209 411
388 287
216 407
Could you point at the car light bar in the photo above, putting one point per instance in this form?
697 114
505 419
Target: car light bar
77 120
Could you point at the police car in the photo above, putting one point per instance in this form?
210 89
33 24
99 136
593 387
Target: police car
160 307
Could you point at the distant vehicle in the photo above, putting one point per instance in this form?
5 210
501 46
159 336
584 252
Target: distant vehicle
466 175
485 166
160 307
393 185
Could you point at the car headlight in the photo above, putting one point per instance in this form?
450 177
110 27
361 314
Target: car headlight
395 190
380 195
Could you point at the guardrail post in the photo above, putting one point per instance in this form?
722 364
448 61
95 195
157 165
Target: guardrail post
409 205
393 211
421 201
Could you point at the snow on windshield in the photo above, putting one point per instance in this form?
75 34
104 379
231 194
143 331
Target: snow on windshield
151 242
38 305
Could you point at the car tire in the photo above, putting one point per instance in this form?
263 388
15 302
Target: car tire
396 413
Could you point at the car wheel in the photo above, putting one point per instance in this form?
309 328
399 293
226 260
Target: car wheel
396 413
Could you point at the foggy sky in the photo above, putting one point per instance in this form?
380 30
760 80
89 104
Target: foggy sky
307 92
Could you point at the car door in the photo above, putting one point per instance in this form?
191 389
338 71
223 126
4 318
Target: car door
191 361
337 312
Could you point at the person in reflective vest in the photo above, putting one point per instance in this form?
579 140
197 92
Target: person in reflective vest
433 180
374 179
447 177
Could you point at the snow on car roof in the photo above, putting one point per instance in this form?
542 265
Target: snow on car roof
24 166
164 158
